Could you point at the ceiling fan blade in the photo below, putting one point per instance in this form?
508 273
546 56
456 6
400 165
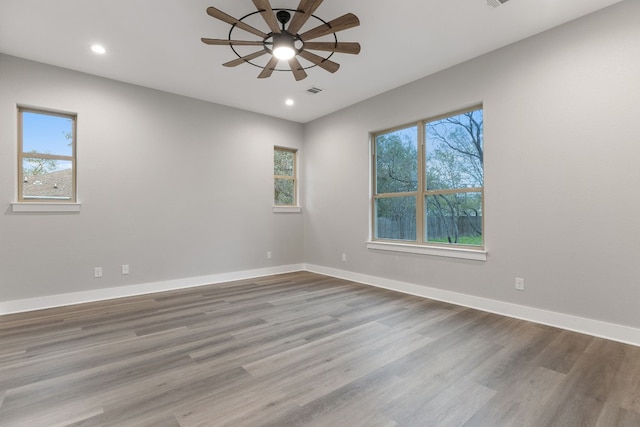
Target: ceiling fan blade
303 13
221 42
244 59
297 70
340 47
218 14
267 14
344 22
268 69
321 62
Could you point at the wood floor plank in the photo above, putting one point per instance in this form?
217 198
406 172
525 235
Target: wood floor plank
563 352
316 352
58 415
506 366
520 403
335 373
581 397
365 416
355 398
47 367
616 416
431 371
451 323
302 349
151 402
88 388
453 406
241 402
625 390
79 340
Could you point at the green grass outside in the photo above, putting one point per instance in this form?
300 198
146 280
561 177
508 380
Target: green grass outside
462 240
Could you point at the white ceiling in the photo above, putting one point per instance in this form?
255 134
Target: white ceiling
156 43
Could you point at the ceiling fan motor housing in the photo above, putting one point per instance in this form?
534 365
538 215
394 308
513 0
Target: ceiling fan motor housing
283 17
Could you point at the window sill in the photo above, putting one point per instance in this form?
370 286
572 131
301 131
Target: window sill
45 207
460 253
287 209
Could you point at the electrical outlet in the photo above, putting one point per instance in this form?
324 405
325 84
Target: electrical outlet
97 272
344 257
519 284
125 268
268 254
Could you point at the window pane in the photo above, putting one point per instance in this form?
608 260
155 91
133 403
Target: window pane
397 161
284 192
44 178
455 152
283 162
46 134
396 218
454 218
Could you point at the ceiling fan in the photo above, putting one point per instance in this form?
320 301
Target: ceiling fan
285 43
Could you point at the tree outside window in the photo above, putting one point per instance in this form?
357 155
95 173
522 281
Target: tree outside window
284 177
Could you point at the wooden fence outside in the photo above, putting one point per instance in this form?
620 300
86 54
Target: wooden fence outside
405 228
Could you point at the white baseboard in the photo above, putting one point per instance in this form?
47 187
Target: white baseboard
39 303
611 331
597 328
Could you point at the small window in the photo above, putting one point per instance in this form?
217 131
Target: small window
428 181
284 177
46 156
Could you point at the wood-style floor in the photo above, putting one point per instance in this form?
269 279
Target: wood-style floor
305 350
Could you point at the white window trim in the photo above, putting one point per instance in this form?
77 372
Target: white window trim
448 252
287 209
44 207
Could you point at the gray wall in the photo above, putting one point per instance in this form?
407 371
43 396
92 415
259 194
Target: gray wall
562 147
174 187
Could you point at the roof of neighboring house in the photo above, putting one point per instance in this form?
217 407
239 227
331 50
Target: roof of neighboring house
58 184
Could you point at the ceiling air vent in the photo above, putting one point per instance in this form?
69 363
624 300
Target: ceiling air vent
496 3
314 90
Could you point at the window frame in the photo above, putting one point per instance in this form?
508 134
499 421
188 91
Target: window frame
293 177
421 245
22 155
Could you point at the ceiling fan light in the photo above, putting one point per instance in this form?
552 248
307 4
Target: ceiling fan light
99 49
284 52
283 47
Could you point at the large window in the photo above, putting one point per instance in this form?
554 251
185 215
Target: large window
284 177
46 156
429 181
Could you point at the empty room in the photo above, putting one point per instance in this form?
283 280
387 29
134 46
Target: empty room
320 213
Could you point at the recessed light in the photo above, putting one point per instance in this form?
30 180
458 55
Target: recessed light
99 49
289 102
